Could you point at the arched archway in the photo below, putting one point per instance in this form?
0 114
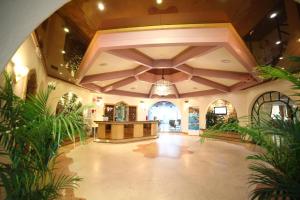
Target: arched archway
167 114
220 111
31 88
272 104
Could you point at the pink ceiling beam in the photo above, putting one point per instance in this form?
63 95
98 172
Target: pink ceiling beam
151 91
191 53
200 93
176 91
119 84
210 83
133 55
185 68
215 73
93 87
173 78
108 76
140 69
126 93
243 85
161 35
169 96
148 77
162 63
176 77
114 75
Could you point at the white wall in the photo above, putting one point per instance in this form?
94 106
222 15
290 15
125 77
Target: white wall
241 100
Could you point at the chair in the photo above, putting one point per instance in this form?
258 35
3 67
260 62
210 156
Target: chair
172 124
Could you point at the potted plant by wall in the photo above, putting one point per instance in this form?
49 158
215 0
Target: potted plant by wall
275 171
30 136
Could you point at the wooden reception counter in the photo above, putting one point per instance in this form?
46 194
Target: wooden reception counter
110 131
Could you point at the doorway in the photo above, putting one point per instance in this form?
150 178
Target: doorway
168 116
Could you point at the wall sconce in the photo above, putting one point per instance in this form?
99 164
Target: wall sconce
186 104
99 101
20 71
142 104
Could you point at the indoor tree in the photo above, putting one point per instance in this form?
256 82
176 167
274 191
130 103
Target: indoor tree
275 171
30 136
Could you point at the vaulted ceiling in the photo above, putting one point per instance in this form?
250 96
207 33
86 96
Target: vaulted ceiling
197 59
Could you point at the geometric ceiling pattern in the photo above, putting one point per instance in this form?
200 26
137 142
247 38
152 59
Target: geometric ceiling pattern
198 60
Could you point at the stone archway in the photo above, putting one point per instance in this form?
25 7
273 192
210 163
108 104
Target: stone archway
220 111
168 115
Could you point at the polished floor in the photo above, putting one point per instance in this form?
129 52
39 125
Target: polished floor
173 167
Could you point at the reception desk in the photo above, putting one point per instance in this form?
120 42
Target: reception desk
110 131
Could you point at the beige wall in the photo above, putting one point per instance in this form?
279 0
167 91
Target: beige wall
241 100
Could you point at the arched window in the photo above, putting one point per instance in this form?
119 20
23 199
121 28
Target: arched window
272 104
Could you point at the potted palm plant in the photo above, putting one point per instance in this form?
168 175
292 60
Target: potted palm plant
30 136
276 170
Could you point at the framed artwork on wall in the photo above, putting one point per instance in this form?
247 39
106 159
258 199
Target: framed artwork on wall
193 122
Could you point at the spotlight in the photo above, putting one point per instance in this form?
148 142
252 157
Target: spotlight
66 30
159 1
280 58
63 52
101 6
273 15
278 42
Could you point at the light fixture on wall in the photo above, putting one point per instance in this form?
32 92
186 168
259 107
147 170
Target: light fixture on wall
99 101
163 87
142 105
101 6
186 104
20 71
159 1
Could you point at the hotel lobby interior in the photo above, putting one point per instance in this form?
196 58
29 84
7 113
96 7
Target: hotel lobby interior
150 99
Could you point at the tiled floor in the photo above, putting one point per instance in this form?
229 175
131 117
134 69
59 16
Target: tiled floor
173 167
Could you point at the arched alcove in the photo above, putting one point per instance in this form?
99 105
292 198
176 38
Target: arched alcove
220 111
167 114
31 88
273 104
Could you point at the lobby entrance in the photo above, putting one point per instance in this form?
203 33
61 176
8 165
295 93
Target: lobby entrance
168 116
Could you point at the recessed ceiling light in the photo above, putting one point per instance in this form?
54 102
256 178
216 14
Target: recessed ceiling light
273 15
280 58
225 61
66 30
278 42
159 1
101 6
102 64
63 51
61 65
60 73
